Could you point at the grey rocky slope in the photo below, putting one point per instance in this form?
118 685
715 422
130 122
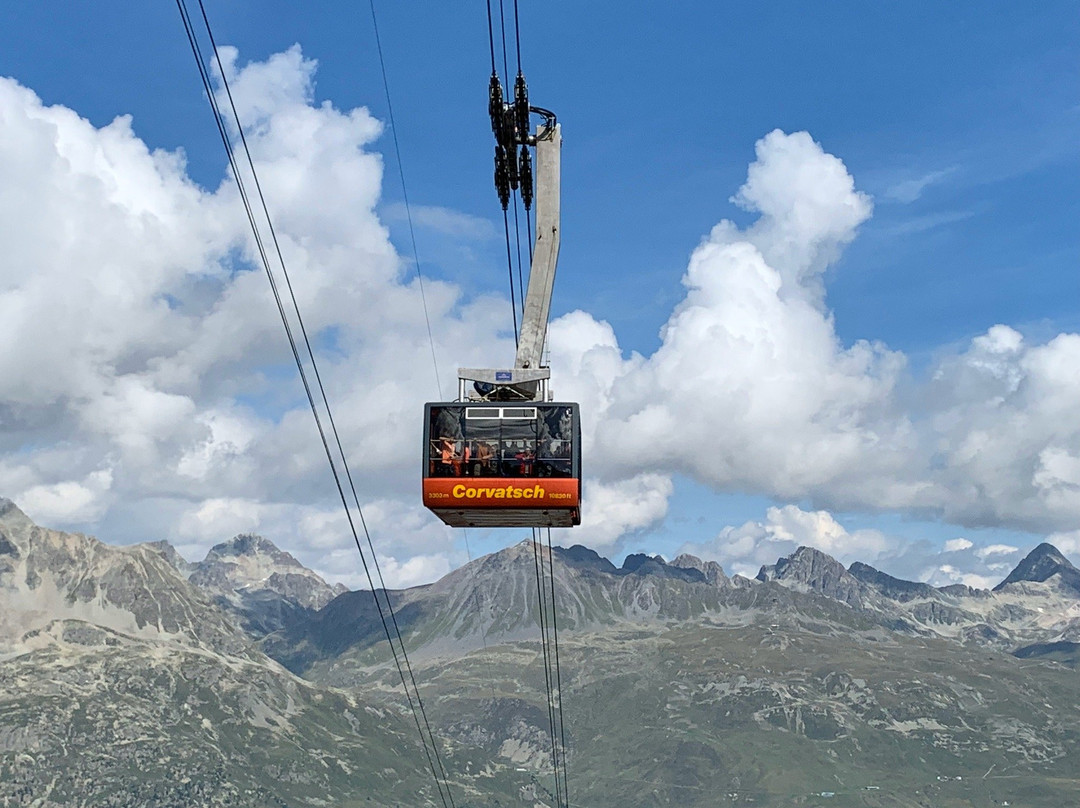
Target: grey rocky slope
815 679
493 599
1038 603
47 575
123 684
1044 564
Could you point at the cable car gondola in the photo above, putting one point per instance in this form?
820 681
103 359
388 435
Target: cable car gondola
503 464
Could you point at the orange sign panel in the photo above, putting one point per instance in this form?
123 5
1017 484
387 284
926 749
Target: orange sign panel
501 492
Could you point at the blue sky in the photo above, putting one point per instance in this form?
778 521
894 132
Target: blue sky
959 120
661 111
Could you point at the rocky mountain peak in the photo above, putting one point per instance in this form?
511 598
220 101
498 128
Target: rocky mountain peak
16 529
251 545
814 571
1042 564
582 557
264 584
803 566
635 561
712 571
12 521
642 564
168 552
11 516
570 564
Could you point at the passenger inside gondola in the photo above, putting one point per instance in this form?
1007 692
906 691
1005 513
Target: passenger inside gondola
485 460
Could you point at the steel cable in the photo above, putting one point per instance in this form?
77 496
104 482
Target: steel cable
510 271
405 193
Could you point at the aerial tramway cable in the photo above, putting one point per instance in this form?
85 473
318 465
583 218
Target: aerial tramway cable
510 270
405 193
416 707
517 227
505 184
528 234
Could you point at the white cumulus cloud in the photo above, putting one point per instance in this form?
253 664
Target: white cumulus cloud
619 508
745 548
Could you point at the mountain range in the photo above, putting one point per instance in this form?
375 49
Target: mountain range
130 677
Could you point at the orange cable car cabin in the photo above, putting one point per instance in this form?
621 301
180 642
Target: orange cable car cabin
500 464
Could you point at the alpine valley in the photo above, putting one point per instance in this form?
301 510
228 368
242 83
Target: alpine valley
130 677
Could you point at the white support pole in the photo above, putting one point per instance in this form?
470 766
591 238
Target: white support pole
534 321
